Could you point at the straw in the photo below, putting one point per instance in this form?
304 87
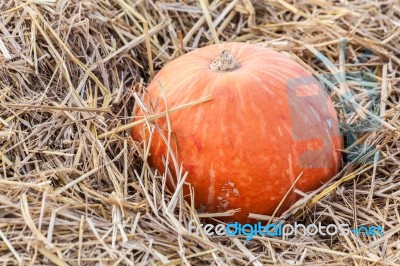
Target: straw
75 189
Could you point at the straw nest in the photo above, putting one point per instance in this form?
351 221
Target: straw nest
73 186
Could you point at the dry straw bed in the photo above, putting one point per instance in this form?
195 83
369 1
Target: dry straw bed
73 186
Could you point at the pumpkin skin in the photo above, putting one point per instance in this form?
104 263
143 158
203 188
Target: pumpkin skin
267 122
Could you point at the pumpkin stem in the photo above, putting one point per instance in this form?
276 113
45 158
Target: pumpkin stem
224 62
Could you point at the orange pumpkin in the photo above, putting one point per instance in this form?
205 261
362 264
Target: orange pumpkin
268 121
